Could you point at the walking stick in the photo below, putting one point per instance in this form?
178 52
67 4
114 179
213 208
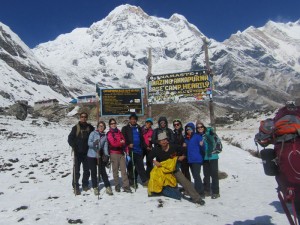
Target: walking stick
133 169
74 173
98 177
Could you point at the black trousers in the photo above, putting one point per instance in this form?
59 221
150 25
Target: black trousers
210 170
149 163
139 168
94 171
80 158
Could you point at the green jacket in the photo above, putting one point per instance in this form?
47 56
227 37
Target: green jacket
209 145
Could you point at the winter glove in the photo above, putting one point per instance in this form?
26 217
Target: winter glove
96 143
105 158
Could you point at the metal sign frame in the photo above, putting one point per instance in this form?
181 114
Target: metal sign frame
121 101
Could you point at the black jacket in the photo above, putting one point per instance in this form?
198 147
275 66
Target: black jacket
78 140
127 133
161 155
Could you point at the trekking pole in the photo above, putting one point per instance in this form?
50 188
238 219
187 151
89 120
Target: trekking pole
98 175
74 173
133 169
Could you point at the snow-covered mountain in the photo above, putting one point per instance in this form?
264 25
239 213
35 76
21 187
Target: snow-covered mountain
23 76
114 51
254 68
260 65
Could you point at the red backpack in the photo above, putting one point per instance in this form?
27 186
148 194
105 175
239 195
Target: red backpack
265 135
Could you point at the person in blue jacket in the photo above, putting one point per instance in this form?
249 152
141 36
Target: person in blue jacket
195 155
210 164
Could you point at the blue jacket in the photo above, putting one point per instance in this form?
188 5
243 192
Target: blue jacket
102 144
195 152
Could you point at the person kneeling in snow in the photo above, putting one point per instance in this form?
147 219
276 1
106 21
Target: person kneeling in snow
169 173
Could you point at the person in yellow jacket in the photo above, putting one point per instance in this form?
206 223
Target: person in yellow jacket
162 154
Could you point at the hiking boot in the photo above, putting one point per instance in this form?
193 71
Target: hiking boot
96 191
134 186
117 188
85 188
199 201
127 189
214 196
77 191
109 191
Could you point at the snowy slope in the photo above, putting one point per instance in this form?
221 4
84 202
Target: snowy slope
23 76
36 163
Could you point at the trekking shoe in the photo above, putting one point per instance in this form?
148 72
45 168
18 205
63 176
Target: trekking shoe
127 189
117 188
200 201
96 191
134 186
76 191
109 191
214 196
85 188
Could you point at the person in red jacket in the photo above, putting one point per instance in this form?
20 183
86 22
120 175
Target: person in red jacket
116 145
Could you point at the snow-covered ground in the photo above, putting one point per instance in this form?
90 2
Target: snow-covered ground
35 175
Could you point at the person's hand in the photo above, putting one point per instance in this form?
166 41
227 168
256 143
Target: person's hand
201 143
96 143
180 158
149 149
130 145
156 163
184 145
105 158
122 142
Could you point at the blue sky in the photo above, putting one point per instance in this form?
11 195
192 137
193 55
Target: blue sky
38 21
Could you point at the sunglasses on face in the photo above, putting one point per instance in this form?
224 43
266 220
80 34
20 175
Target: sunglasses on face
112 123
200 127
83 117
176 124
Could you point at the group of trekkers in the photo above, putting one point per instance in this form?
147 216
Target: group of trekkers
169 155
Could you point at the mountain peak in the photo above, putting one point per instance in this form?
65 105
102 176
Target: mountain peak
119 10
177 17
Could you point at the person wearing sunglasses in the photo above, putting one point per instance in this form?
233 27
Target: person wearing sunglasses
78 140
179 140
98 157
195 155
162 128
116 146
210 163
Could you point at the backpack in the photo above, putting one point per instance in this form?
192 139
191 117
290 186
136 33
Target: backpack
80 131
214 141
265 135
288 124
284 160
